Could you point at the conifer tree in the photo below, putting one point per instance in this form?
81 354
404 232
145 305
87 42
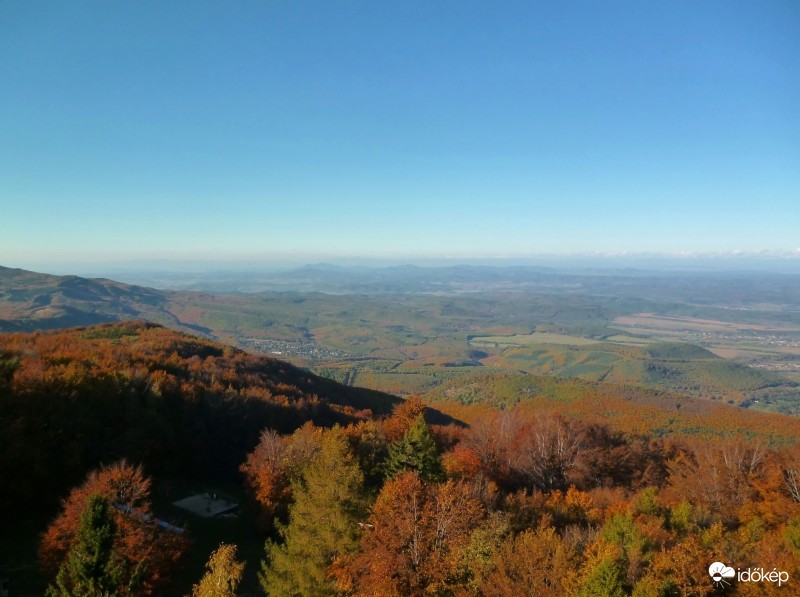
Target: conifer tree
605 580
602 575
91 569
323 523
416 452
144 551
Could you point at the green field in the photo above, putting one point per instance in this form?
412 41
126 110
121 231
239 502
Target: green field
411 341
529 339
677 367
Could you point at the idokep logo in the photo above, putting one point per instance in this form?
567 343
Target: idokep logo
721 575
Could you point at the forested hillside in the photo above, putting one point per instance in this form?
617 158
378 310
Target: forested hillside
32 301
180 405
410 340
514 485
628 409
399 299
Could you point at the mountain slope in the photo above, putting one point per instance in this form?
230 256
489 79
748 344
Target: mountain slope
671 366
409 343
182 405
628 409
31 301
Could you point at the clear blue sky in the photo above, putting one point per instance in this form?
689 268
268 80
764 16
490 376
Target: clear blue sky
286 128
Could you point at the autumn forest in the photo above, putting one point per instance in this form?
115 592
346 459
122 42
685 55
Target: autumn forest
399 299
577 489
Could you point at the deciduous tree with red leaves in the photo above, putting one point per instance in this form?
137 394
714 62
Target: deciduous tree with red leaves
144 547
411 541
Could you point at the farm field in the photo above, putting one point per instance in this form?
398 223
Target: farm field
372 334
529 339
768 346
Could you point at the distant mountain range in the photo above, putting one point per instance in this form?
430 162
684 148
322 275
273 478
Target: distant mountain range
44 299
741 288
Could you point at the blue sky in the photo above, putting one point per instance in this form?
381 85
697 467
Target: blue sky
228 130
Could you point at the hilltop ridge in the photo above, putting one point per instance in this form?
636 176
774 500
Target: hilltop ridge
179 404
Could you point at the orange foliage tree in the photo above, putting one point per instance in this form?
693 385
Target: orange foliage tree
719 478
532 563
266 476
403 417
275 462
411 539
148 549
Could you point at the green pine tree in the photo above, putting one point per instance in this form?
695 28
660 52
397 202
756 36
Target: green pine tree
323 523
604 580
416 452
91 568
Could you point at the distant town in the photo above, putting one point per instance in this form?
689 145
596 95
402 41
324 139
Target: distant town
283 348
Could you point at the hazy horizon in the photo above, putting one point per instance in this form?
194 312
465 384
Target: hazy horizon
763 262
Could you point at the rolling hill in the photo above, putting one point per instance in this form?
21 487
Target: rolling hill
191 409
32 301
181 405
678 367
630 410
410 337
